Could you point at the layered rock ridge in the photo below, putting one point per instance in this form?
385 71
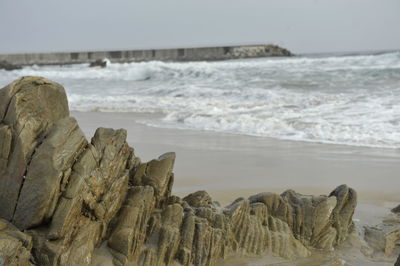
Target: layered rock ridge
63 198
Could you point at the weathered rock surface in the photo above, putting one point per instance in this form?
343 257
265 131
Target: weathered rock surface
75 199
48 173
29 107
15 246
93 194
384 237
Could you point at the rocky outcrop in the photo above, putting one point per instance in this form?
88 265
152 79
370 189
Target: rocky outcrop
29 109
396 209
384 237
99 63
258 51
15 246
73 199
92 195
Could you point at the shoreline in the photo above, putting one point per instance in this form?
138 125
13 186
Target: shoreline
230 166
218 162
69 200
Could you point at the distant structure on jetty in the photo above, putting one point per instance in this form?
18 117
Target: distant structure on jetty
182 54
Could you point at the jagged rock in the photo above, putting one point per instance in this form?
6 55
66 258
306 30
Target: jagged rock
163 240
257 230
74 198
15 246
396 209
130 229
342 214
385 236
397 263
29 107
48 173
287 225
8 66
95 192
158 174
199 199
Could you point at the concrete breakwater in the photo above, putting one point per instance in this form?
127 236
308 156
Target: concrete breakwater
181 54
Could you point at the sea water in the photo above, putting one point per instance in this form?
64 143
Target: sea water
342 99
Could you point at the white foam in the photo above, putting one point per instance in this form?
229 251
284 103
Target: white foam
348 99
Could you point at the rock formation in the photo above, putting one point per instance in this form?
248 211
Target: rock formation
384 237
396 209
258 51
15 246
69 198
99 63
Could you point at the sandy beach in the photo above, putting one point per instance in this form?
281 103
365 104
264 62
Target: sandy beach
200 133
229 166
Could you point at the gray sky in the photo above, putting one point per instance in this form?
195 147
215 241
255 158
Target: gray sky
299 25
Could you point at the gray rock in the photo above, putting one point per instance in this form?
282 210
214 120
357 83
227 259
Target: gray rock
29 107
158 174
15 246
342 214
290 226
99 63
48 173
130 229
396 209
383 237
199 199
94 194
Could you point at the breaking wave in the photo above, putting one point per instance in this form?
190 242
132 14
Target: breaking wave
351 100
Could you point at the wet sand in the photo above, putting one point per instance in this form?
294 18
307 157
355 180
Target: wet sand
229 166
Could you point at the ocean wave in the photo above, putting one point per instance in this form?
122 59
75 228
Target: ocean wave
156 70
349 100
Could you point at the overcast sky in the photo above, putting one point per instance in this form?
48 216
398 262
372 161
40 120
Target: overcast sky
299 25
